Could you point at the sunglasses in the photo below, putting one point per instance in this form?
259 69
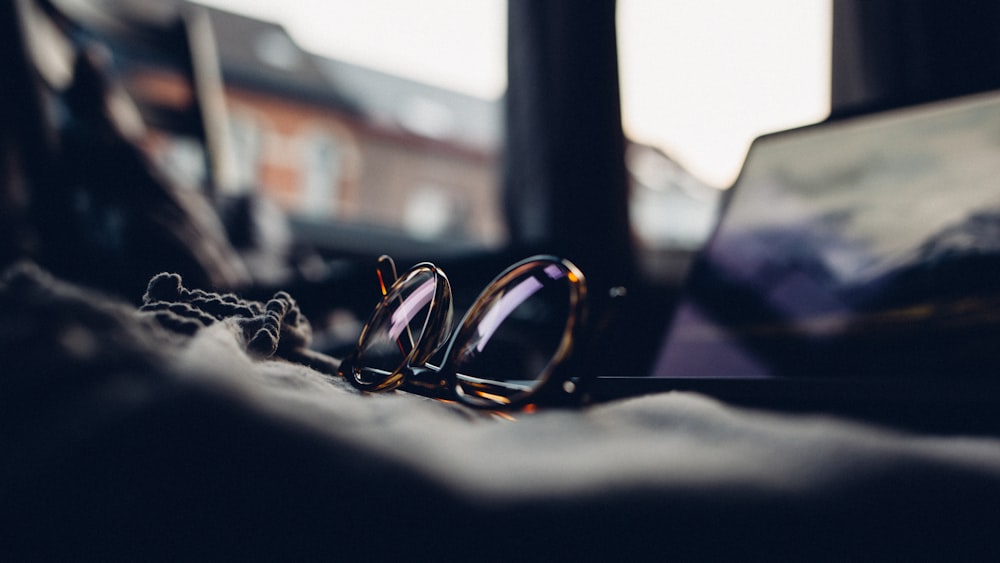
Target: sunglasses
510 350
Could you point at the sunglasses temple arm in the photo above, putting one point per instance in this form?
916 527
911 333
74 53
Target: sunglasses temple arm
386 272
591 363
385 269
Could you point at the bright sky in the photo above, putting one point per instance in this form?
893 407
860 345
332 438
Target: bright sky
700 78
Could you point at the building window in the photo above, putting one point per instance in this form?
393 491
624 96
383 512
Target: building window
245 137
432 212
183 160
322 161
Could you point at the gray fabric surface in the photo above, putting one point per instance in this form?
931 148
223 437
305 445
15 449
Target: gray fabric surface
124 441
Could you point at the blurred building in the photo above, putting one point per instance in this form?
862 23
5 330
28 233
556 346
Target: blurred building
333 144
328 140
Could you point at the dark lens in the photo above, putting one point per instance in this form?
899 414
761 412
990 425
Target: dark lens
395 328
516 334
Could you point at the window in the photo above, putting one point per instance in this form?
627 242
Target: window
375 116
245 137
699 80
182 159
321 175
376 120
430 212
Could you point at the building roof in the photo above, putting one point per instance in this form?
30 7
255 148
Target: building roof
263 55
416 107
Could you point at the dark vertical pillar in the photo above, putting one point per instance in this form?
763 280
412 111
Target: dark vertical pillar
566 184
26 136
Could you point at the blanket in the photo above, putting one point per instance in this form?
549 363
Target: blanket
125 439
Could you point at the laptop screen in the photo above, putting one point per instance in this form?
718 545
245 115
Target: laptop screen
854 248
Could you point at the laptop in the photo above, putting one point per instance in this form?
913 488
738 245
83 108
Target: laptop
855 265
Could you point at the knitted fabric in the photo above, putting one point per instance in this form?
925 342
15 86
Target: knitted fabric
276 328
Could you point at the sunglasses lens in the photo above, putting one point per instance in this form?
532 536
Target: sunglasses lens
516 334
395 328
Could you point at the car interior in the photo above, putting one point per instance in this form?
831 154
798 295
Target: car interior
263 304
